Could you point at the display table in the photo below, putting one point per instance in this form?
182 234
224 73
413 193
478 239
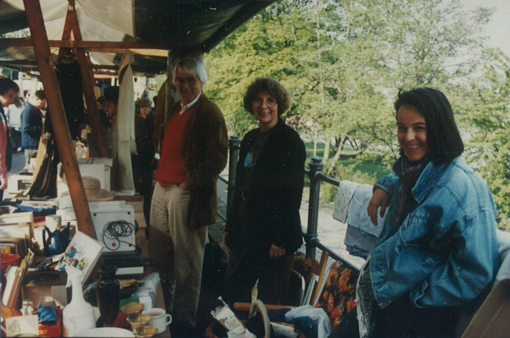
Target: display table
38 285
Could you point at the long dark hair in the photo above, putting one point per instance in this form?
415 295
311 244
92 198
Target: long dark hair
443 136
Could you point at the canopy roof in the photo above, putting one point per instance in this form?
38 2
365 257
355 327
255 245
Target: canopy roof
148 28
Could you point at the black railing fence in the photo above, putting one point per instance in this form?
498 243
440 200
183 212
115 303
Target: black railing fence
316 176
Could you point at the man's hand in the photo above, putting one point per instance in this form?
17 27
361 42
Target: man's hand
3 184
379 199
276 252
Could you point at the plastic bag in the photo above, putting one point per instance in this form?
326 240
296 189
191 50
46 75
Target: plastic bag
147 292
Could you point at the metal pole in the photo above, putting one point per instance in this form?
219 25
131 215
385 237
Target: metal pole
234 145
313 205
58 117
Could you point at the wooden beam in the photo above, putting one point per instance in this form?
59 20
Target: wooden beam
97 69
87 79
89 45
66 34
58 117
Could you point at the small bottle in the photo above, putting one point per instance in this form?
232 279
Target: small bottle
255 292
27 308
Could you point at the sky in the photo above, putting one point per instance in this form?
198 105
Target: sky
498 29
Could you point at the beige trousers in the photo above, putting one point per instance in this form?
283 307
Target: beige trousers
179 250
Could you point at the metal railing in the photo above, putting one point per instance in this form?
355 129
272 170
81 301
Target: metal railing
316 176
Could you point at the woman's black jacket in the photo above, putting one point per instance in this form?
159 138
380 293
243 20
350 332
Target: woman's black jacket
271 208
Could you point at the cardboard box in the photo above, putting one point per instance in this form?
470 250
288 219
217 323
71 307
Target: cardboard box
98 167
492 318
18 183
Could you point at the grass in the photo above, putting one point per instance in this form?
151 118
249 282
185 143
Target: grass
372 167
367 171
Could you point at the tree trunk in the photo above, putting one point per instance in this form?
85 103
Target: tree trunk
336 158
325 156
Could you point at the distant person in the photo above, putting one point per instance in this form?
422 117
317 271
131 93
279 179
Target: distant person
146 111
142 161
263 227
14 117
109 102
106 122
32 123
8 91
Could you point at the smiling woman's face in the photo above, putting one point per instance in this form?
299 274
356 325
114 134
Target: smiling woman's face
265 110
412 133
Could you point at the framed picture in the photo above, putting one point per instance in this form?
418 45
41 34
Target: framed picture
338 292
83 252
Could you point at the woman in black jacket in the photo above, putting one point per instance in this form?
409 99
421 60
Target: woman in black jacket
264 228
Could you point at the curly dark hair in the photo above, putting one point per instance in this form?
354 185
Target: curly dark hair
271 87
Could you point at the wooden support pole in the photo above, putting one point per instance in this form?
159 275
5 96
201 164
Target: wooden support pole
58 117
87 79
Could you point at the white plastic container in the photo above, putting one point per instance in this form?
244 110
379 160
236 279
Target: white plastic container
78 315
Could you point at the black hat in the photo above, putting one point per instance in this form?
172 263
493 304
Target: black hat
111 94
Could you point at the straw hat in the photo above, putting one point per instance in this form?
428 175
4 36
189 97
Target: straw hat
93 190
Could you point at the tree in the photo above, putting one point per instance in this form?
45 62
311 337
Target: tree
485 110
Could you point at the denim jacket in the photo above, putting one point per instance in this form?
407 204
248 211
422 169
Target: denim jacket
445 253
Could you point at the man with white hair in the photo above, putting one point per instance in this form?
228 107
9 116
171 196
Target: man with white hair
193 154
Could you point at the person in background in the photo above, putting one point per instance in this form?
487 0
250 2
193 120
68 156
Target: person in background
106 122
194 152
32 123
146 111
8 92
14 117
142 162
264 227
109 102
438 248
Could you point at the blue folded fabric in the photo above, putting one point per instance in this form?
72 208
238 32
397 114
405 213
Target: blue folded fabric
278 315
38 211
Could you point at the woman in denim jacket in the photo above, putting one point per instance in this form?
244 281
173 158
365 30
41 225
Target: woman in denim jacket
438 249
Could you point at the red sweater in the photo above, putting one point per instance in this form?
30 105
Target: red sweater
172 165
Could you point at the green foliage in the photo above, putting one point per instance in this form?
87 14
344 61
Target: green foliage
504 224
486 115
344 62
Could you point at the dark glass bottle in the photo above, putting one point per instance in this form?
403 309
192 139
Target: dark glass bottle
108 294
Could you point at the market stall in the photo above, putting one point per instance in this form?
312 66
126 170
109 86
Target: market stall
98 33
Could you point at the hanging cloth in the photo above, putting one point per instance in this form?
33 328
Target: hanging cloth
71 89
44 185
124 130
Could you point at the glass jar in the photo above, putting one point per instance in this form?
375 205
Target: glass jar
27 308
